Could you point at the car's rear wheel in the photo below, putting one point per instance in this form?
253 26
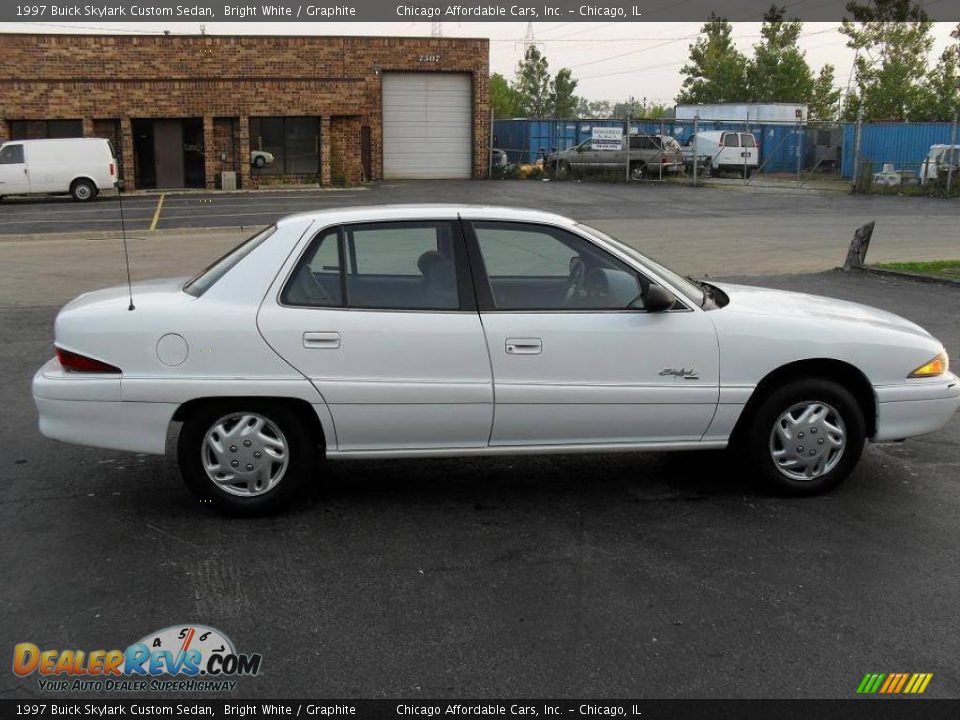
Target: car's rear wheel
805 437
563 169
247 458
259 161
83 190
638 171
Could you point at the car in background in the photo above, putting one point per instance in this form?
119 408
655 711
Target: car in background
466 331
81 167
938 160
649 158
260 158
724 151
499 159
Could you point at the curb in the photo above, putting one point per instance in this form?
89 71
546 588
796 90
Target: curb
915 277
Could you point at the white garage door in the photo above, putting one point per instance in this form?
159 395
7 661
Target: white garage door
427 125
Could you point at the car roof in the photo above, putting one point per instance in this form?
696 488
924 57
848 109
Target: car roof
382 213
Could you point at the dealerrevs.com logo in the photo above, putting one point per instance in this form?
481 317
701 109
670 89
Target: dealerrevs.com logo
178 658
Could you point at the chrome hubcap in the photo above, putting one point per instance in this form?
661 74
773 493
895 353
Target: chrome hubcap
83 191
807 440
245 454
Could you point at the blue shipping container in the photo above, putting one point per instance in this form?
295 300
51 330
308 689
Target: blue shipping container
905 145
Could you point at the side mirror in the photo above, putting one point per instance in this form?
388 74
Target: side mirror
658 299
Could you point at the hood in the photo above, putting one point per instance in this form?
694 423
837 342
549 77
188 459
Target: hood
145 293
787 304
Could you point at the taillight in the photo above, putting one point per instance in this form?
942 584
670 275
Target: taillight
111 169
81 363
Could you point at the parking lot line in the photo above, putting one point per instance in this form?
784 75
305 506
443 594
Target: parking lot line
156 214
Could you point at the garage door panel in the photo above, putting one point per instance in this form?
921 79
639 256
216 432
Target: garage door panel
427 125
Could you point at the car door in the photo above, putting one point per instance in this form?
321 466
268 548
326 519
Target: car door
572 363
14 178
381 317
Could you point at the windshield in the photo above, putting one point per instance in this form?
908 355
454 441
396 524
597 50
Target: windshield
685 287
202 282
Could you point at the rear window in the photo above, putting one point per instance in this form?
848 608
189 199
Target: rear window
205 280
731 140
749 141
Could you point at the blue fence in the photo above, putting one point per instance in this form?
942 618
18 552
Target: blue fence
901 144
525 140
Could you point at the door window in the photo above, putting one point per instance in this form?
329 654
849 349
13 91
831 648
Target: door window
389 266
11 155
748 140
538 267
731 140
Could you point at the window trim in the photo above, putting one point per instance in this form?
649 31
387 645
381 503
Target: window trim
465 288
481 280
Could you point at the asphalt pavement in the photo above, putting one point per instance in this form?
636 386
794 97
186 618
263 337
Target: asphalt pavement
655 575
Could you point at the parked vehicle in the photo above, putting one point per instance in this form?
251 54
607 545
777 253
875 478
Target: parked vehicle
499 159
727 151
261 158
81 167
457 330
649 157
938 160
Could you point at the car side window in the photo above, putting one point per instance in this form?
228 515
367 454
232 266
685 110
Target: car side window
540 267
11 155
388 266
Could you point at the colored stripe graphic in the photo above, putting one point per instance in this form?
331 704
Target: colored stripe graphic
894 683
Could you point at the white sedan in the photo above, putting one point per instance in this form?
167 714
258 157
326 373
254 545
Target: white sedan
435 330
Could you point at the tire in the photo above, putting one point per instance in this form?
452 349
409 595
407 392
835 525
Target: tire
259 161
83 190
638 171
820 411
563 169
282 455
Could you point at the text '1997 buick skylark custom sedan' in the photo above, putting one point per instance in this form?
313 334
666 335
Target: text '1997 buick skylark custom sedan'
414 331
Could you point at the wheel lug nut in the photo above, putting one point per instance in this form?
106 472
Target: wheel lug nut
249 466
812 453
234 463
258 455
813 430
800 435
233 448
820 441
246 443
799 448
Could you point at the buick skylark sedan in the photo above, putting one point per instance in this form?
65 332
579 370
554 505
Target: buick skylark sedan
415 331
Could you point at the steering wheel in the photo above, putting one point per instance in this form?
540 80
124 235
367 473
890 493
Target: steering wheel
575 280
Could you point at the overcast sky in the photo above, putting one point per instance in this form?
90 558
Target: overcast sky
612 60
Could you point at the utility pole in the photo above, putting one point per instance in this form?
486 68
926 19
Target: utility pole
952 155
696 139
626 140
856 148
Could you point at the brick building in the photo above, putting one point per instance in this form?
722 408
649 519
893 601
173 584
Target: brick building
180 110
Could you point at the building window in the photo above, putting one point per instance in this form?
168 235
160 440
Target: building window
43 129
285 145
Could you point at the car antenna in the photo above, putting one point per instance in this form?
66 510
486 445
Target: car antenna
126 252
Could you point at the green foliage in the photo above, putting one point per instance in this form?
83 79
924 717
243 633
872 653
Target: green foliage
824 99
533 83
778 71
716 72
941 92
504 99
563 102
892 40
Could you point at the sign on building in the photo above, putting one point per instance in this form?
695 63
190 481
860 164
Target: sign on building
607 138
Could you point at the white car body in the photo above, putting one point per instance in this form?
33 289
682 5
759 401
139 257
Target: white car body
939 159
733 151
392 383
52 167
261 158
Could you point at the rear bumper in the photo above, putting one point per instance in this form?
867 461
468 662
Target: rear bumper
916 408
87 410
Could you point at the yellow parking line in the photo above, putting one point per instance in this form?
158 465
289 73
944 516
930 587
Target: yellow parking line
156 213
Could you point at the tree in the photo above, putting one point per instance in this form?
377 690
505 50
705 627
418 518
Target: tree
595 109
941 91
533 83
824 96
717 70
778 71
504 99
892 40
563 103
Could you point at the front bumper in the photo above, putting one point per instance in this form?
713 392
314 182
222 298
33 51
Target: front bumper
916 408
87 410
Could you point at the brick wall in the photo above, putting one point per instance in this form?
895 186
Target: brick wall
124 77
345 166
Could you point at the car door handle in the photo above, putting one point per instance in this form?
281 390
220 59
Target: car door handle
321 340
523 346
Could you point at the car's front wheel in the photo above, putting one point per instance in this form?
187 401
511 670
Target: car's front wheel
247 458
259 161
806 437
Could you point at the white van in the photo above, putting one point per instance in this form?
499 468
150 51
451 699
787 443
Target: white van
81 167
938 159
734 151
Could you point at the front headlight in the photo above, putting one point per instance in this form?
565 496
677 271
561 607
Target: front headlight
937 366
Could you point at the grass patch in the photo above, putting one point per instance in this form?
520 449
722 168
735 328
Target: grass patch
939 268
